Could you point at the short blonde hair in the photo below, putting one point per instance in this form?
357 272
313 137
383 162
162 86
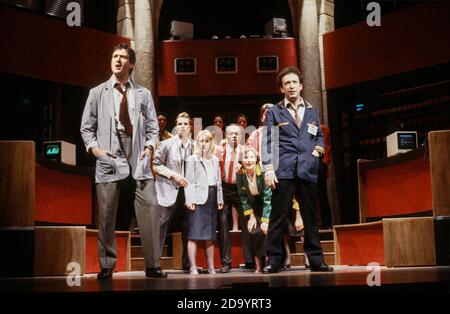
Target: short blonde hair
197 148
249 149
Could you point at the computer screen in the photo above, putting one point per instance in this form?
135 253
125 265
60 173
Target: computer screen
407 140
52 150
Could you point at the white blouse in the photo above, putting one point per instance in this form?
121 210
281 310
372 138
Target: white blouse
210 171
252 185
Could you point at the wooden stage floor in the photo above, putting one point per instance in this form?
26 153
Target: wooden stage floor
237 291
343 279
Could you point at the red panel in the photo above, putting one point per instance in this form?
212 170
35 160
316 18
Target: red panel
46 48
237 253
398 189
408 39
63 197
362 245
92 263
207 82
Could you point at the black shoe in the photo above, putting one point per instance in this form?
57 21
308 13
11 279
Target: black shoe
105 274
155 272
247 266
322 268
286 266
270 269
202 270
250 266
225 269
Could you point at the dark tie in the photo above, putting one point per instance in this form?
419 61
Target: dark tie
298 119
183 159
124 116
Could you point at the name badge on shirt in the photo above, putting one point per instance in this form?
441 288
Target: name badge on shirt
312 129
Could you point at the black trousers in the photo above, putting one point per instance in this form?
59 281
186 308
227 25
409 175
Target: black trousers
306 193
230 197
325 212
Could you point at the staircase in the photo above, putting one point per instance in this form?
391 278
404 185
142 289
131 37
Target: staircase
327 242
137 256
167 262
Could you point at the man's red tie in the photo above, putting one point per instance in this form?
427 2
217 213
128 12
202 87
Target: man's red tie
124 116
231 168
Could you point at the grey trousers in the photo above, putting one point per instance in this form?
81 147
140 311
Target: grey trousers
147 216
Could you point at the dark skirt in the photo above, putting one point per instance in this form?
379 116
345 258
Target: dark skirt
202 222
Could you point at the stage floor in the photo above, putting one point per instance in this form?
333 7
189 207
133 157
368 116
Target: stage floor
343 279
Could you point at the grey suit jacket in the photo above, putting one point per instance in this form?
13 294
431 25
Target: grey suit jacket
166 162
197 190
98 128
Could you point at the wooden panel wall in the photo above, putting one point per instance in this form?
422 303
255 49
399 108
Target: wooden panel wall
409 241
17 196
56 247
439 148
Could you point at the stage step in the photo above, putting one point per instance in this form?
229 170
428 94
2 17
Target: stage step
57 246
17 248
136 251
326 234
327 246
138 263
135 239
123 240
298 259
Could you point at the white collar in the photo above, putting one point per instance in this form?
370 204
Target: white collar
302 103
114 82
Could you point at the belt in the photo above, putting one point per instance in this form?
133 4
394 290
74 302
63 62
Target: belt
229 185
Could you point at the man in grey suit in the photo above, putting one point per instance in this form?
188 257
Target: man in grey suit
169 165
119 127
